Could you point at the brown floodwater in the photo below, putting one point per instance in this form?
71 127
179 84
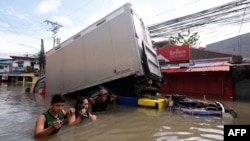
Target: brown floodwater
19 111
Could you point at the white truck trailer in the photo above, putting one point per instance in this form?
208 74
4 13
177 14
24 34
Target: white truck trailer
115 52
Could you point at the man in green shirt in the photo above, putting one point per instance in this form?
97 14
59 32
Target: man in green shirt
51 121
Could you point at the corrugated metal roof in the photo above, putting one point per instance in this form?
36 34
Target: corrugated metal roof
202 69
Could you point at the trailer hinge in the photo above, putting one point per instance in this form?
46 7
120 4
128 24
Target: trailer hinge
136 36
101 22
77 36
132 12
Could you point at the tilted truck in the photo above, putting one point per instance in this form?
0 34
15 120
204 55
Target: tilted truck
115 52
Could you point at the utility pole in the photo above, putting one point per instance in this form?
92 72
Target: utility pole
54 29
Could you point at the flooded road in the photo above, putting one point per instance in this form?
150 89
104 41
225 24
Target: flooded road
19 111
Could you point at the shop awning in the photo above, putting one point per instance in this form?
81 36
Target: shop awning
201 69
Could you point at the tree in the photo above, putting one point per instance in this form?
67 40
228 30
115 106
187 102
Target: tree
186 39
41 59
29 69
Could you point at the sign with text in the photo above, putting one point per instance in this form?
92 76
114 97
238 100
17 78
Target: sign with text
236 132
173 54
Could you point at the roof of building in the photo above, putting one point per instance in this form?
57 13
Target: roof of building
200 69
201 53
200 65
23 57
5 61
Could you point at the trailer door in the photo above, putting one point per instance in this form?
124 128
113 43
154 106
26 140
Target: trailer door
148 54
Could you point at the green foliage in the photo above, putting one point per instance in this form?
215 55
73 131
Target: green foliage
29 69
42 57
186 39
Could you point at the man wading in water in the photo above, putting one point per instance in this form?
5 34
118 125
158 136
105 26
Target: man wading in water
51 121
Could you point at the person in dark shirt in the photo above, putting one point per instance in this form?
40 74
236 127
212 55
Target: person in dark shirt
101 101
151 88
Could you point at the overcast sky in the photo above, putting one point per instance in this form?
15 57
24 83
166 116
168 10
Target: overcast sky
22 23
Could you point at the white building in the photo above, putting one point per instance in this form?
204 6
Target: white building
5 65
20 63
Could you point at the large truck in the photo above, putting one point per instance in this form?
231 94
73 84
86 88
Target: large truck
115 52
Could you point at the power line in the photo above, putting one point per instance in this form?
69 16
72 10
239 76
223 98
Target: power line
173 9
54 29
225 15
9 24
242 19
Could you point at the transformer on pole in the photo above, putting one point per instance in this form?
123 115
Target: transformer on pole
54 29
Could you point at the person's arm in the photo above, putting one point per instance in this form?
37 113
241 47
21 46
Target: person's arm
92 117
113 97
76 120
40 131
64 112
155 89
92 100
71 116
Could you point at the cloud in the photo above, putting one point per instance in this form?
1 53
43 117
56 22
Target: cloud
67 32
142 9
47 6
10 45
64 21
13 12
4 26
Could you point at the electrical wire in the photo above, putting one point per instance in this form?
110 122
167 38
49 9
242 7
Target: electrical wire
230 14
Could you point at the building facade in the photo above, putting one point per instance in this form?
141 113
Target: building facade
20 63
239 45
207 73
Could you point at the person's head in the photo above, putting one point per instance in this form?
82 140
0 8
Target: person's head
150 82
57 102
81 102
85 103
57 98
103 95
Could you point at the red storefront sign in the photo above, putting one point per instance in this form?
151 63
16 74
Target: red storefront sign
173 54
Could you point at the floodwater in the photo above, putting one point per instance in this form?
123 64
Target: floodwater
19 111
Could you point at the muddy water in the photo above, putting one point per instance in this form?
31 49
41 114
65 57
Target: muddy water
19 111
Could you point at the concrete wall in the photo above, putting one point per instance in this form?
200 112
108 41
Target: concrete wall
239 45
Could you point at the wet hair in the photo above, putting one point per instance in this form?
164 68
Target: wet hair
79 103
58 98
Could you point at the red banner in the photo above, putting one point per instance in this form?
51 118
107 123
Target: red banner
173 54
